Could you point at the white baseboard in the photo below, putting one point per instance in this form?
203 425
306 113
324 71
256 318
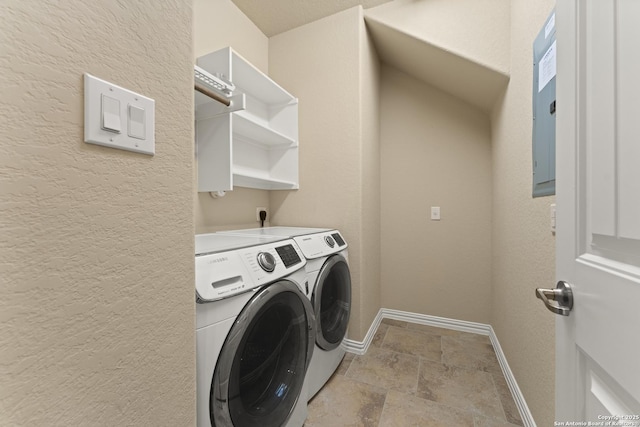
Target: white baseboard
360 348
525 414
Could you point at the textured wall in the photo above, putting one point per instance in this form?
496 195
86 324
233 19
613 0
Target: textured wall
436 151
523 246
322 64
96 254
218 24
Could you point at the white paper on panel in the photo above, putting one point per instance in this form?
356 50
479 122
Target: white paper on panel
547 69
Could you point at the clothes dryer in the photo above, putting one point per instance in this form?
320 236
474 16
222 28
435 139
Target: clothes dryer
254 332
328 287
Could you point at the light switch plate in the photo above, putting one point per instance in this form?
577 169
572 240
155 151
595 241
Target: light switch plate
435 213
94 132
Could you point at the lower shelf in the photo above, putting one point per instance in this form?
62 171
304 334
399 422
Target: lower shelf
244 177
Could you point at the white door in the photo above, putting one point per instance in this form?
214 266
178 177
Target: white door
598 202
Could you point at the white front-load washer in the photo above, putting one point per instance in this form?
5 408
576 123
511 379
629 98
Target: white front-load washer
254 332
329 290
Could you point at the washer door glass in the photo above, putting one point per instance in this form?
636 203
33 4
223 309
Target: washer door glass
332 302
263 362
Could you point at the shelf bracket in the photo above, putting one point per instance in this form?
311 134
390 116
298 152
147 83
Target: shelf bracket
218 89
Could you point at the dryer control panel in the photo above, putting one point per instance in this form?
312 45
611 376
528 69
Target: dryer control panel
321 244
227 273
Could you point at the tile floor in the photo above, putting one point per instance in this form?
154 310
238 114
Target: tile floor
417 375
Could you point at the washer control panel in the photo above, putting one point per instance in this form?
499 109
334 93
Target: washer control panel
266 261
288 255
227 273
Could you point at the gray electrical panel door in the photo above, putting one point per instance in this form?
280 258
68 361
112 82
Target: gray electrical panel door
544 109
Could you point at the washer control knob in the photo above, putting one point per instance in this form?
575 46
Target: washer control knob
329 241
266 261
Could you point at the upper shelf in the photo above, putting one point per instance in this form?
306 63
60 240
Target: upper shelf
245 76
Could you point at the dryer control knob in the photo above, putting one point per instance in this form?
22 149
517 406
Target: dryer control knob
329 241
266 261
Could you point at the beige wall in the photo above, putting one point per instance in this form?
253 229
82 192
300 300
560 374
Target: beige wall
523 246
476 30
329 66
218 24
97 307
436 151
370 282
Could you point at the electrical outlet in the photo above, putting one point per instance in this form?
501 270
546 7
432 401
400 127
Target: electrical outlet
258 213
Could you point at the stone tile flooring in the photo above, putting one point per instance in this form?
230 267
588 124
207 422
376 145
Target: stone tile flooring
417 375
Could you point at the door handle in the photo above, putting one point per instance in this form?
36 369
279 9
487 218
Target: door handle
562 298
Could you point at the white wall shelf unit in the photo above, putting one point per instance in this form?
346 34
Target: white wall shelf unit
256 147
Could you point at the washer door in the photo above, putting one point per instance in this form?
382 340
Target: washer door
261 368
332 302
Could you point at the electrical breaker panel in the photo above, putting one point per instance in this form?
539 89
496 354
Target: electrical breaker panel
544 109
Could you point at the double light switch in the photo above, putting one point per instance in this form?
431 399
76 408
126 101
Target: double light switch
118 118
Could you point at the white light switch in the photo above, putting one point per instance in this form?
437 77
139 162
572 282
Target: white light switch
136 122
107 122
435 213
552 212
111 114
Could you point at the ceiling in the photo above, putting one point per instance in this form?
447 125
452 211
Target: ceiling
277 16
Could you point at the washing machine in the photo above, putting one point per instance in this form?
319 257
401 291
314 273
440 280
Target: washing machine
255 331
328 287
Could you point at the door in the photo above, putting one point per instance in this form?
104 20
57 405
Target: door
598 202
332 302
261 369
